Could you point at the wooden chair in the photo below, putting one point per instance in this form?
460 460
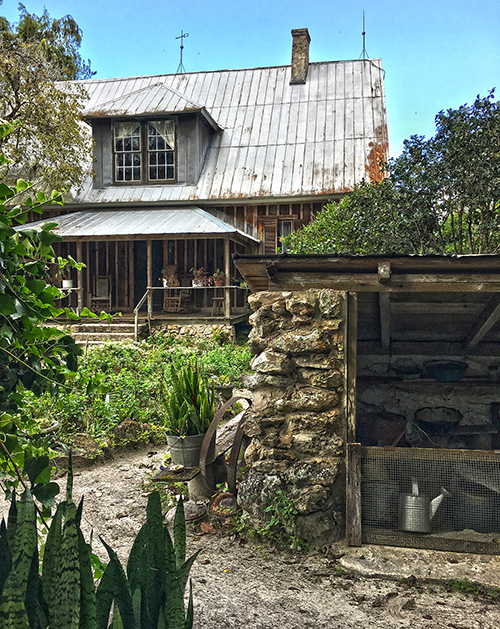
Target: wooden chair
100 298
172 301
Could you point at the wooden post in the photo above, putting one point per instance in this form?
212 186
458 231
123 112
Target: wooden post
150 276
227 271
131 275
353 495
351 345
79 278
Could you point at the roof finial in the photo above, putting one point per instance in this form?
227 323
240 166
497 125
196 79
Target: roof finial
181 69
364 54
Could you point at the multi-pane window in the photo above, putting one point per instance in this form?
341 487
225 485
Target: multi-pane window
150 160
161 143
128 151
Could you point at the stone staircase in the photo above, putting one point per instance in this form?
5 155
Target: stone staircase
91 333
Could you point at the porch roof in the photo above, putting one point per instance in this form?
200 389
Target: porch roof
142 223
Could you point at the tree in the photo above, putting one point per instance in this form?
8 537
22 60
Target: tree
441 195
37 55
33 356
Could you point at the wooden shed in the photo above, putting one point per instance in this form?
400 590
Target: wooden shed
422 386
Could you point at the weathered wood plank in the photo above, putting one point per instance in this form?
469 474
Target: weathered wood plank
484 323
385 320
351 363
353 495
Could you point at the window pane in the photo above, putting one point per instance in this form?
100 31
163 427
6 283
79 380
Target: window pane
136 143
161 158
170 172
161 172
137 159
170 157
137 174
152 172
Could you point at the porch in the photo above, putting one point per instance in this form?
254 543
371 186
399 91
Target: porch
146 259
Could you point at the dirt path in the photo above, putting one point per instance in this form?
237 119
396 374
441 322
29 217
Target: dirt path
244 586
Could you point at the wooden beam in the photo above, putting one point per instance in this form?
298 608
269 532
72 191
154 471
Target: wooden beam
385 319
351 344
79 277
487 319
353 495
149 246
227 271
427 348
369 282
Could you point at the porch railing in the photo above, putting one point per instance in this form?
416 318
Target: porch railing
149 296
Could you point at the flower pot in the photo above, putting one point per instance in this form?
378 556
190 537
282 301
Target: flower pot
186 450
219 282
67 283
197 283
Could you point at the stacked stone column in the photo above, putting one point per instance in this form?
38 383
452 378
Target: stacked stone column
298 420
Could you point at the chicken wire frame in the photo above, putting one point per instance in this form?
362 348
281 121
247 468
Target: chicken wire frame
384 474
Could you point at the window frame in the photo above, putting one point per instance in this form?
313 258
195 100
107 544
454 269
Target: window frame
144 153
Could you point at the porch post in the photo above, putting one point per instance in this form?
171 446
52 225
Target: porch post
150 276
79 278
227 271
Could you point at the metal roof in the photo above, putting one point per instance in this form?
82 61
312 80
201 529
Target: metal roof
95 224
153 99
277 141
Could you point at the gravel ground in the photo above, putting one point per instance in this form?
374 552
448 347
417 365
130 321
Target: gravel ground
243 585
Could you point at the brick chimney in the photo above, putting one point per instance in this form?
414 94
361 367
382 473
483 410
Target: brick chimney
300 55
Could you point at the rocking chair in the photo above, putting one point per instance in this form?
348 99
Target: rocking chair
100 298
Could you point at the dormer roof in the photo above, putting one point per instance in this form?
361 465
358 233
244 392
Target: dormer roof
155 99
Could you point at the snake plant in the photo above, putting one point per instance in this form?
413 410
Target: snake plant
148 595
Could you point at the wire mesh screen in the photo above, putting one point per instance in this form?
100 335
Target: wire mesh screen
431 498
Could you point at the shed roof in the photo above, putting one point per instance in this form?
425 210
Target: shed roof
142 223
277 141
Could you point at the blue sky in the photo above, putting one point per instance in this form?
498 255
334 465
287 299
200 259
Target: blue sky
436 55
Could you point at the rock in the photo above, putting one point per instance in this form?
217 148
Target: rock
301 342
308 399
271 363
330 379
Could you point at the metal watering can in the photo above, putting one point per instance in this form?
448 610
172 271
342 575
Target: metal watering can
416 510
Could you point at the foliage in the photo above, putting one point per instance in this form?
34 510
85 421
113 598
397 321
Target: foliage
191 403
33 356
441 195
51 144
120 381
149 594
279 529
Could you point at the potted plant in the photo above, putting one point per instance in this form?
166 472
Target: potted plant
189 412
219 277
63 274
168 279
199 276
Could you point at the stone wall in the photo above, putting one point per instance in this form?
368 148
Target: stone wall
298 419
196 330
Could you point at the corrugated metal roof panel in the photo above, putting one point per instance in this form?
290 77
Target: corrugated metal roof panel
280 140
140 222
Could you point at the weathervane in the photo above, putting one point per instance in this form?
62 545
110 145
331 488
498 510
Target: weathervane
364 54
181 69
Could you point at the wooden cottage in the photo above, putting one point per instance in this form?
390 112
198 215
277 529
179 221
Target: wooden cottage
192 168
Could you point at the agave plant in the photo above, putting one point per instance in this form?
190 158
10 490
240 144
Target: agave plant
148 595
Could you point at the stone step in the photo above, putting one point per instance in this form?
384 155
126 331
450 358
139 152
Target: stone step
103 328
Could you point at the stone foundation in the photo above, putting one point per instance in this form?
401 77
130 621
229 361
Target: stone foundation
197 330
298 420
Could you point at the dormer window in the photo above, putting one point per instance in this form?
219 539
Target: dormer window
144 151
